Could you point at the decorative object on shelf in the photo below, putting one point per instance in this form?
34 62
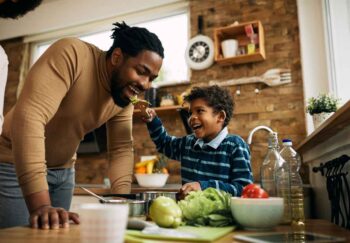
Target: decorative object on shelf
321 108
200 50
272 77
167 100
249 30
180 98
251 43
229 47
319 118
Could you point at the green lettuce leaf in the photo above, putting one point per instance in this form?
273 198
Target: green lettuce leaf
209 207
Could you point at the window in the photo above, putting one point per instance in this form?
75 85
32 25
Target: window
171 30
337 22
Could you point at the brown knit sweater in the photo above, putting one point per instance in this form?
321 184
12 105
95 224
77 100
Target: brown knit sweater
66 94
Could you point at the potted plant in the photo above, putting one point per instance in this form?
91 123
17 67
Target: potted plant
321 107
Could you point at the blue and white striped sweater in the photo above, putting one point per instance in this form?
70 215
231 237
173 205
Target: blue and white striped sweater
227 167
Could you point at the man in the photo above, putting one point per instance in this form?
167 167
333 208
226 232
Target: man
72 89
11 9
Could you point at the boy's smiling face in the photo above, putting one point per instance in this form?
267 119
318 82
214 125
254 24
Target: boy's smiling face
205 122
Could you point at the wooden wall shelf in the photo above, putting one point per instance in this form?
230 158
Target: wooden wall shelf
238 32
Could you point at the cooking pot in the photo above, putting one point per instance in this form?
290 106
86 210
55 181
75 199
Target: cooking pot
146 197
137 208
151 195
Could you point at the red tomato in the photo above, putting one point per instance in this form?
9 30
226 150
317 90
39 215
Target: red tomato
248 187
254 191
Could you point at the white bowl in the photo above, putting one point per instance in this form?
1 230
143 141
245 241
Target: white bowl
151 180
257 213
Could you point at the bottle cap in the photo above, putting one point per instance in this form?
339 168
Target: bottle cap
287 141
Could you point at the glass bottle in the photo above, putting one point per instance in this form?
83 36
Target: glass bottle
275 175
296 184
267 170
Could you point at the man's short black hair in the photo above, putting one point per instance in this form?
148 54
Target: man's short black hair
133 40
10 9
216 97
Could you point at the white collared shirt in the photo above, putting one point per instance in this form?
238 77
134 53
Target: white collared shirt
215 142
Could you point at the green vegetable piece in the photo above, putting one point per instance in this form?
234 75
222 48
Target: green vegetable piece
134 99
165 212
209 207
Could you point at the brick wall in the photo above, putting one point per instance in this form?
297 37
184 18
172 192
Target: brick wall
281 108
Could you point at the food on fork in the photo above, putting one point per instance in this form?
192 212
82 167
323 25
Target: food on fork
140 104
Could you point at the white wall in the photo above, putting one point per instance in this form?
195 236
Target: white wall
313 51
53 15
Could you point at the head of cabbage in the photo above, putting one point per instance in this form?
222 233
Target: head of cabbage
209 207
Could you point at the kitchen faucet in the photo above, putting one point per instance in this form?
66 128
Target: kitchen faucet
272 162
251 133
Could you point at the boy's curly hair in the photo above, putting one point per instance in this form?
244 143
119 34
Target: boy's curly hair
216 97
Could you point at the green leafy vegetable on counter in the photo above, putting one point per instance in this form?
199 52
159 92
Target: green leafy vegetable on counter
209 207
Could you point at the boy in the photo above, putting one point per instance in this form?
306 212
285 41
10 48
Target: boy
210 157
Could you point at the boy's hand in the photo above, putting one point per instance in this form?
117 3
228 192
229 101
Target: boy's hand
142 105
188 187
150 114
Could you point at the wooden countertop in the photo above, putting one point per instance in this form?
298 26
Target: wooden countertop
100 190
72 234
337 122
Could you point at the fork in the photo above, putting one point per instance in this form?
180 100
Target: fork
271 77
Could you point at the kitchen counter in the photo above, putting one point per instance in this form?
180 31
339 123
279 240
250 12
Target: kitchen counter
28 235
135 188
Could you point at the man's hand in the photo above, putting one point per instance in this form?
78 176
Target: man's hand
44 216
47 217
188 187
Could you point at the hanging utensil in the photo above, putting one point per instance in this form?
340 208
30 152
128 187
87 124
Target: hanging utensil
272 77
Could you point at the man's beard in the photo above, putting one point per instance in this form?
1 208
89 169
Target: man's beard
117 91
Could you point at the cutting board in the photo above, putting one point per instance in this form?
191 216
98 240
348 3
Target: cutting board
205 234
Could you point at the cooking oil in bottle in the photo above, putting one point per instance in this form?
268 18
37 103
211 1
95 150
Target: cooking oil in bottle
296 186
297 208
284 190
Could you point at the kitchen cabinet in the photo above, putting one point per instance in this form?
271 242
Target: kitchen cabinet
238 32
